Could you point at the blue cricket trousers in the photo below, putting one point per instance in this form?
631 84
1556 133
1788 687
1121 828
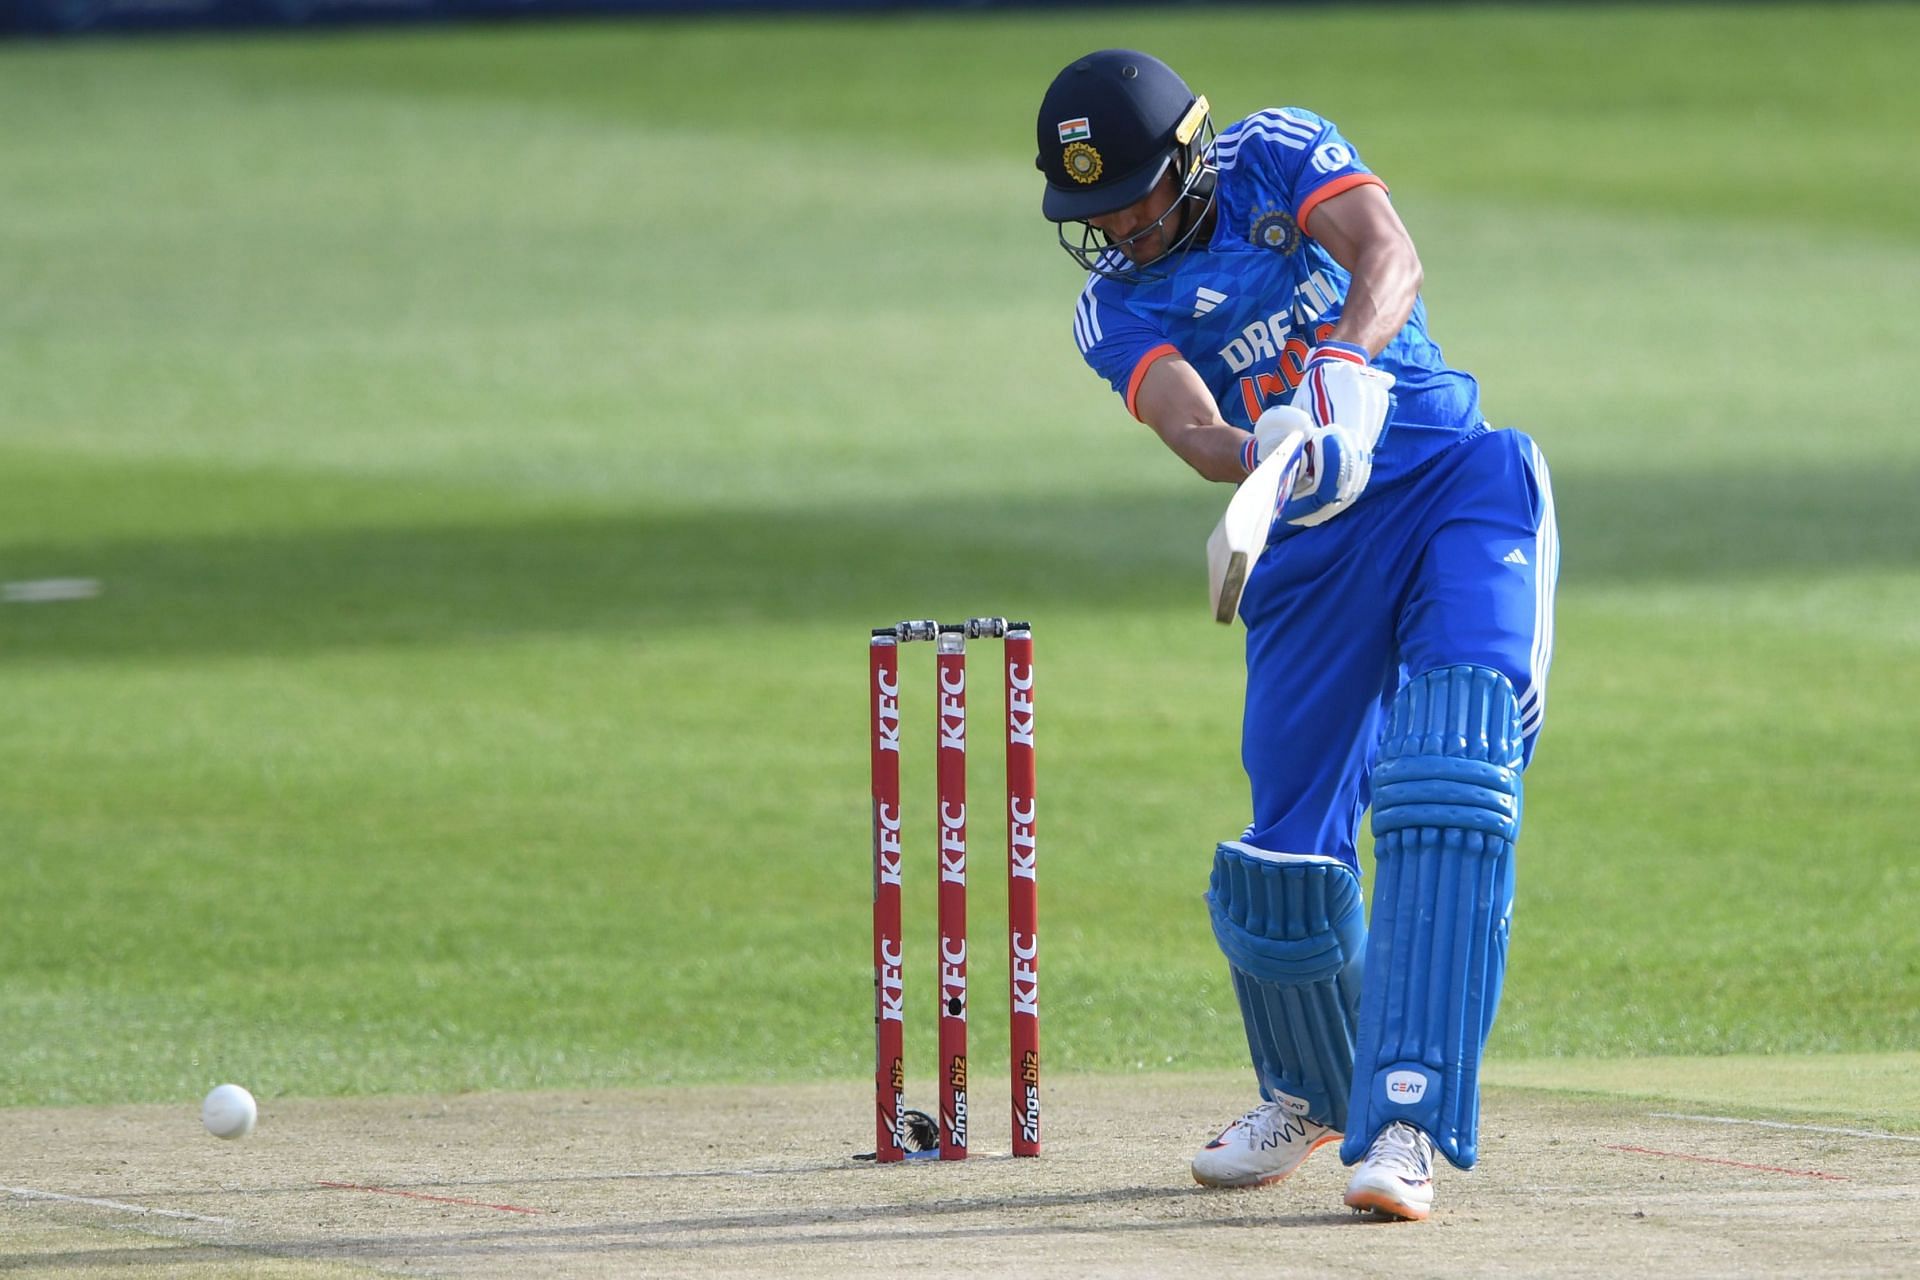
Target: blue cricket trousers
1455 564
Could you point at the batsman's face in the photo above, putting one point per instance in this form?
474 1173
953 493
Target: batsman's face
1143 231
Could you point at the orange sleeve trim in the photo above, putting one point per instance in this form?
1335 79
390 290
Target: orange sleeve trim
1333 189
1147 361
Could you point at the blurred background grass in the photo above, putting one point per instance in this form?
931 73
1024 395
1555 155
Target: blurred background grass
494 444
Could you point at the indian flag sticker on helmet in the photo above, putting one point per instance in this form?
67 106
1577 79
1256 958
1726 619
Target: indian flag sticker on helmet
1082 162
1075 130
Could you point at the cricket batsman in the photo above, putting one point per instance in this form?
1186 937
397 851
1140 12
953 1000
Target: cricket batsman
1399 624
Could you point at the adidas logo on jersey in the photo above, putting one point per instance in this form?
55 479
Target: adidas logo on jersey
1515 556
1205 300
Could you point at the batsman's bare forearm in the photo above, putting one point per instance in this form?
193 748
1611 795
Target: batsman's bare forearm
1386 281
1364 235
1214 449
1177 405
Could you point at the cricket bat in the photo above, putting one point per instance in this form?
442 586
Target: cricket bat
1241 535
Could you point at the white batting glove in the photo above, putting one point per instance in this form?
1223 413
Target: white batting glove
1347 401
1333 468
1275 425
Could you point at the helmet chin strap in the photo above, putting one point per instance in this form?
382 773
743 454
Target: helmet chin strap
1200 193
1200 190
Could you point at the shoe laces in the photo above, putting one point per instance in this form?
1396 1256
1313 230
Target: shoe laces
1270 1124
1404 1149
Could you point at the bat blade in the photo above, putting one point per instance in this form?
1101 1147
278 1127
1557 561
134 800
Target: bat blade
1241 535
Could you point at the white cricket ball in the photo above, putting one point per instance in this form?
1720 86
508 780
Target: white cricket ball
229 1112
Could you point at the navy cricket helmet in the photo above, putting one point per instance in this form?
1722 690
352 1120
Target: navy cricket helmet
1111 126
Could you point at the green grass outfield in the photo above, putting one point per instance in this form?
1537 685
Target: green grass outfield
494 444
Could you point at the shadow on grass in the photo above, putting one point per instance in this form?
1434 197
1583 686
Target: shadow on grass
640 573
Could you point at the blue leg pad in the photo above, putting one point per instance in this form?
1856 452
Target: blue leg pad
1446 811
1293 929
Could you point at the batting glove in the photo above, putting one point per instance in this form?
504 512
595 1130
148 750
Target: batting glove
1333 468
1347 401
1275 425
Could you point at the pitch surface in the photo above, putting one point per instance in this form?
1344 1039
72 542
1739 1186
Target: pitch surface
755 1182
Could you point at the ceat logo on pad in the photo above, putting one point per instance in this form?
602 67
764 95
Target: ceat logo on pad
1406 1087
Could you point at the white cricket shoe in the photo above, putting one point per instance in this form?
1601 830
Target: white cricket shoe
1264 1145
1396 1178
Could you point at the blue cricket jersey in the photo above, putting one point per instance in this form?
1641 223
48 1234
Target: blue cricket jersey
1245 308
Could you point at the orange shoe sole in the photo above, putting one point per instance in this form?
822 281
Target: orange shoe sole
1270 1179
1382 1203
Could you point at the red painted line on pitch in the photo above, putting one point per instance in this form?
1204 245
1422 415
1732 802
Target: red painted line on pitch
1738 1164
419 1195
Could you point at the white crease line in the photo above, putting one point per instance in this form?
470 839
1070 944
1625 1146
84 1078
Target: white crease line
28 1193
1782 1124
640 1174
855 1165
48 590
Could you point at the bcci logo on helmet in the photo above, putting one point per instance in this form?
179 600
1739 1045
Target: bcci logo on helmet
1276 230
1083 162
